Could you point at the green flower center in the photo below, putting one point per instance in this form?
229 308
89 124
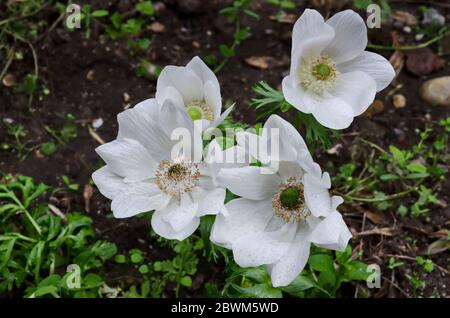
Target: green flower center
290 197
199 110
194 112
176 170
322 71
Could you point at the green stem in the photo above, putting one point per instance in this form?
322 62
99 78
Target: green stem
8 62
233 47
408 47
24 16
386 198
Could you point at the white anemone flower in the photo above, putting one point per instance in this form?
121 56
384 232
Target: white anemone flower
194 87
279 215
331 75
140 174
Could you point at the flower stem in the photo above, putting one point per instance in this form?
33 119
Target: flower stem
409 47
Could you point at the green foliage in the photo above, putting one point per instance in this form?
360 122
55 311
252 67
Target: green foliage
234 14
325 272
410 170
272 101
35 245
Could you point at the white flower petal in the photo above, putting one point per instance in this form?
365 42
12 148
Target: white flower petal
249 182
177 125
180 215
316 194
357 89
373 64
210 202
309 37
222 117
203 71
137 198
184 80
108 183
350 36
164 229
213 98
255 249
149 107
169 92
256 146
291 143
331 233
128 158
141 123
333 112
242 217
296 95
290 265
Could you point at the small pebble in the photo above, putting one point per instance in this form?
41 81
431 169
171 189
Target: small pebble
90 75
399 101
436 91
97 123
126 97
9 80
419 37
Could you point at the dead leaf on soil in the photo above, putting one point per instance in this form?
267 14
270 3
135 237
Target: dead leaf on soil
398 58
87 195
261 62
423 62
375 108
375 218
404 17
95 136
438 246
442 233
386 231
57 212
284 18
157 27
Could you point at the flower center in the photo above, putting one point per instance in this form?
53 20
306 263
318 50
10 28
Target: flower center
174 178
288 203
322 71
290 197
199 110
318 74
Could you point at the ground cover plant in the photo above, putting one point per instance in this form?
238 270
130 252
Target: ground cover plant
386 154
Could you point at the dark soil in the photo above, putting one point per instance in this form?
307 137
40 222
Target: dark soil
66 58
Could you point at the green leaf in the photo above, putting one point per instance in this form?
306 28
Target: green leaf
356 270
100 13
144 269
362 4
145 7
120 259
416 167
137 258
389 176
299 284
321 262
259 291
226 50
186 281
48 148
92 281
43 291
397 154
144 43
